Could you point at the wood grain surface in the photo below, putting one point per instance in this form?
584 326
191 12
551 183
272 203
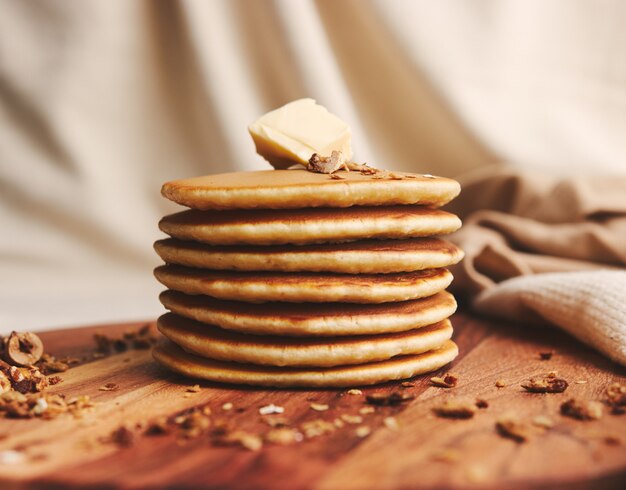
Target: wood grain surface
423 451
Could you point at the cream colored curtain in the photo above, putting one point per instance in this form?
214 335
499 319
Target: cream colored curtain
102 101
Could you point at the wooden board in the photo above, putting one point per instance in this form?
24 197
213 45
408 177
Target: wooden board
69 453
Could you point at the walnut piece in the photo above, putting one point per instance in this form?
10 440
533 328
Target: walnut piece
448 381
23 348
616 395
327 165
382 400
582 410
548 384
455 410
510 427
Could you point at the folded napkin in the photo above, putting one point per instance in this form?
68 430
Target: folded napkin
546 251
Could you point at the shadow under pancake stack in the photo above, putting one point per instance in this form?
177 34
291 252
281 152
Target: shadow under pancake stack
294 278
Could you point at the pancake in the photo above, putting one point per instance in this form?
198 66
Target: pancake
365 256
280 189
324 319
402 367
223 345
313 225
258 287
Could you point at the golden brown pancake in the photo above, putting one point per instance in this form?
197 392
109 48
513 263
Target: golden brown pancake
313 225
317 287
365 256
312 319
401 367
223 345
276 189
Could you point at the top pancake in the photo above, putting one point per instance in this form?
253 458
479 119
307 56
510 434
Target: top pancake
292 189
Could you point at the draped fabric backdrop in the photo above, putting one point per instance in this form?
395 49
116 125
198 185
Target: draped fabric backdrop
103 101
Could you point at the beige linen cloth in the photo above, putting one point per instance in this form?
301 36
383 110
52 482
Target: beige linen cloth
544 250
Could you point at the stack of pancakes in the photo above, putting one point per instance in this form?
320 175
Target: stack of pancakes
293 278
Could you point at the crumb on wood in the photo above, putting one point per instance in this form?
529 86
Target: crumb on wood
395 398
453 409
582 409
547 384
447 381
511 427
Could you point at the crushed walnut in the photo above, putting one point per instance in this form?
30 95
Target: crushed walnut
140 339
616 398
547 384
354 391
14 404
510 427
582 409
447 381
319 407
327 165
22 348
284 436
392 399
545 356
480 403
452 409
109 387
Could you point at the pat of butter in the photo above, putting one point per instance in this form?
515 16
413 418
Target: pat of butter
293 132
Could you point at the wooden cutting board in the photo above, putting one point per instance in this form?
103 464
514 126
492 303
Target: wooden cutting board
423 450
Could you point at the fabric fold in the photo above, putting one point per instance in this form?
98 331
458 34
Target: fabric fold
547 252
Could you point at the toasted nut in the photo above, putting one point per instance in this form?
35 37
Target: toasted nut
548 384
581 410
455 410
23 348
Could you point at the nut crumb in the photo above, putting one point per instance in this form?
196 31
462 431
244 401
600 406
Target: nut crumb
109 387
500 383
283 436
616 395
317 427
337 177
480 403
382 400
543 421
251 442
319 407
363 431
510 427
407 384
447 381
391 423
354 391
548 384
271 409
227 406
327 165
351 419
122 436
447 455
366 410
455 410
612 441
581 410
157 428
193 389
